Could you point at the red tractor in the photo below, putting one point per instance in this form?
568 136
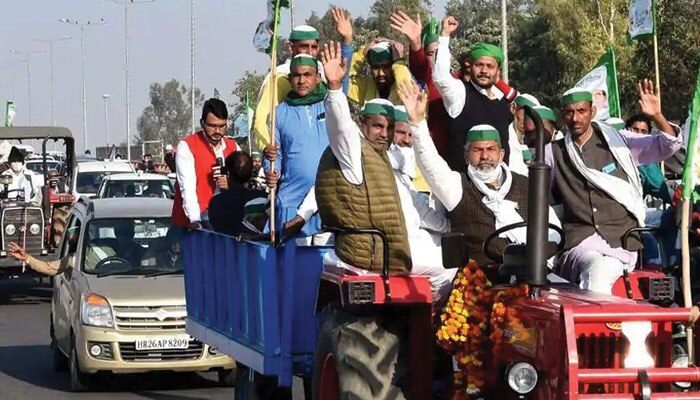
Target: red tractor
376 339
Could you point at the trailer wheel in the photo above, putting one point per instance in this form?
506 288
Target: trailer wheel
358 357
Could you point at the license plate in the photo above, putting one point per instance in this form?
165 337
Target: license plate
163 343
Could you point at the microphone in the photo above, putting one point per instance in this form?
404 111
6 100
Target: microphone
218 168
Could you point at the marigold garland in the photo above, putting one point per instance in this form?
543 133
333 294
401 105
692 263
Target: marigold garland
472 322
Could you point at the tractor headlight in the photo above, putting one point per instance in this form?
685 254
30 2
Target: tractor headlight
681 361
34 229
522 377
95 311
10 229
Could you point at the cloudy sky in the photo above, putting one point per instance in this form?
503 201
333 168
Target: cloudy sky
159 50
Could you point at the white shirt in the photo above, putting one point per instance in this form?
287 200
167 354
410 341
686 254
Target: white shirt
452 90
344 136
20 181
187 178
516 163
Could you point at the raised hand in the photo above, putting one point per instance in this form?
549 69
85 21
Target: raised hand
649 101
17 252
414 99
401 22
449 25
334 66
343 24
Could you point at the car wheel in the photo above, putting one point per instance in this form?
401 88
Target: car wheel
79 381
227 377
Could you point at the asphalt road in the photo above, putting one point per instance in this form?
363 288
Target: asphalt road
25 358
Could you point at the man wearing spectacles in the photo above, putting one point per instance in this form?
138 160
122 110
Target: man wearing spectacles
199 162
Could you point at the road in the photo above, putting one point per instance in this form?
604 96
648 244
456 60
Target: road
25 358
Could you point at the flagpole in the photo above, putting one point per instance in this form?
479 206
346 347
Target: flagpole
656 65
248 122
273 103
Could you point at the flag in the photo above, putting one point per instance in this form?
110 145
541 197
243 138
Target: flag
10 112
692 157
262 40
602 82
642 19
217 95
244 121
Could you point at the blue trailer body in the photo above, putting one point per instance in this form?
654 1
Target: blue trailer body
254 302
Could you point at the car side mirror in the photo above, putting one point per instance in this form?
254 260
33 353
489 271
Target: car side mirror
454 250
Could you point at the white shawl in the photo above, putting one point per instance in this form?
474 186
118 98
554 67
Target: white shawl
629 192
505 211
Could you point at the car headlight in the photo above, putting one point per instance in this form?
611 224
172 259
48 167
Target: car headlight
10 229
34 229
522 377
95 311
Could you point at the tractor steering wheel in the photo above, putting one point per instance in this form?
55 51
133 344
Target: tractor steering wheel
15 190
498 258
111 260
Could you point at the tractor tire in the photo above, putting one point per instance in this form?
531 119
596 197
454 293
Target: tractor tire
367 354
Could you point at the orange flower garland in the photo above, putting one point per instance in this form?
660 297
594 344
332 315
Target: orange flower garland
474 320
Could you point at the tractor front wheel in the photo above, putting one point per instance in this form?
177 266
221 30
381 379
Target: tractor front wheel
359 357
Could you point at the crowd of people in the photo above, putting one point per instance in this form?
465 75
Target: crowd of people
371 137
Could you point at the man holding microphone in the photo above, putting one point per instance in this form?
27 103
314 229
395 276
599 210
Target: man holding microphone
199 159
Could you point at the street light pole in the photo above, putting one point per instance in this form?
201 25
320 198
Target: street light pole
504 39
106 99
82 26
51 75
28 59
126 67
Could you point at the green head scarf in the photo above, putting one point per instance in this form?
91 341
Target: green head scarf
485 49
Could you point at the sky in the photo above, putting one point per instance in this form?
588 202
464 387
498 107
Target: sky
159 50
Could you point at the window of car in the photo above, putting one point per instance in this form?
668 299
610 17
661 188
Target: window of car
131 246
138 188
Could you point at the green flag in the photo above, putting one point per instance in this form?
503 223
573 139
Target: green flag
692 159
601 81
642 19
10 112
263 38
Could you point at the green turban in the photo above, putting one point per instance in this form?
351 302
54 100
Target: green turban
256 155
380 53
545 113
617 123
400 114
303 59
485 49
575 95
381 107
304 32
525 99
483 133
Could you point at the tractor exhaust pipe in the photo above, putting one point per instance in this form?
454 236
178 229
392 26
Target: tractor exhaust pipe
537 208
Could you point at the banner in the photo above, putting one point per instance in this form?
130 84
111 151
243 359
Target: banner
691 171
602 82
642 19
10 112
262 39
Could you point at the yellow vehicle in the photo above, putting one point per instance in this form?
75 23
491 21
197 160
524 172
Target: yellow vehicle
119 304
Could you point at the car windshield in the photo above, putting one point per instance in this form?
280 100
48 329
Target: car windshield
138 188
131 246
38 167
89 182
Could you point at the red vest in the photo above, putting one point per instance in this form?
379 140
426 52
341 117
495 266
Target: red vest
204 161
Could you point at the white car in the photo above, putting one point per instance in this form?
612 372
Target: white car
89 175
136 185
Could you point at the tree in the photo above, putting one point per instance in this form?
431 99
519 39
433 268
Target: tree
169 116
249 84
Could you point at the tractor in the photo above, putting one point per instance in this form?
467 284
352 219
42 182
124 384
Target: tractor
283 310
36 227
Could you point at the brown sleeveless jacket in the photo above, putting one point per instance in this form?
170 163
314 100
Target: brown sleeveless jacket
372 204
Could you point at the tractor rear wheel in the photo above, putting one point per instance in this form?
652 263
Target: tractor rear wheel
358 357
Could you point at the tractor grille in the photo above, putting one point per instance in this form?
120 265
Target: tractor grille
22 219
129 353
608 350
151 318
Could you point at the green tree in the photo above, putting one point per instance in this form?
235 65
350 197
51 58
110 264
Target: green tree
168 117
